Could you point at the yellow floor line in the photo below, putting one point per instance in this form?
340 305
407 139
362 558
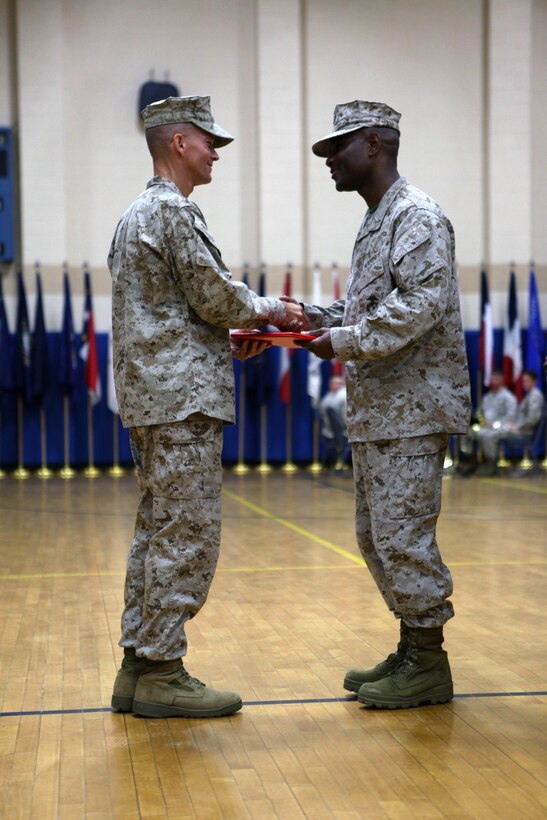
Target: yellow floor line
295 528
271 568
515 485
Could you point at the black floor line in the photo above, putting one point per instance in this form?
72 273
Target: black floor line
287 702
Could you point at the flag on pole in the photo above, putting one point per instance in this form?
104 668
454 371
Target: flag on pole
512 352
6 363
335 279
39 360
22 343
111 399
68 360
260 381
337 368
284 379
534 336
88 350
486 339
314 363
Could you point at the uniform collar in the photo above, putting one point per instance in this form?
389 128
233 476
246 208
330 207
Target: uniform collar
374 218
164 182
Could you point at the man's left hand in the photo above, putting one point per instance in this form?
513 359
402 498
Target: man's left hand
321 345
247 348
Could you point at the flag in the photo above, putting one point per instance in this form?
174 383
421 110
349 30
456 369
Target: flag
534 337
512 353
260 380
111 399
335 279
6 363
22 343
314 363
88 350
68 360
486 339
337 368
39 360
284 379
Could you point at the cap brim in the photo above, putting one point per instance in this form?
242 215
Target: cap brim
221 136
322 148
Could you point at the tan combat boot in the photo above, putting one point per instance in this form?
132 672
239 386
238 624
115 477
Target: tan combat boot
167 690
423 677
355 678
126 681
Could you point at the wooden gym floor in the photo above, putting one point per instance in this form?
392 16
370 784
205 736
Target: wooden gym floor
290 609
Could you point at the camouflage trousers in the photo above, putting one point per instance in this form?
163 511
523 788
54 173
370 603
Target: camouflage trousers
398 500
176 543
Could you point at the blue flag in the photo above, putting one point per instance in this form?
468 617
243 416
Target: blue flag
68 359
22 343
6 362
534 336
39 360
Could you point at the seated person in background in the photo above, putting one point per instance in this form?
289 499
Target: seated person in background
528 416
332 419
498 407
529 410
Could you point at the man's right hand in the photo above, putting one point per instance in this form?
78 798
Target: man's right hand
296 319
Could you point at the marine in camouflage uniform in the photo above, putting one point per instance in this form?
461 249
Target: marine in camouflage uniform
173 300
497 408
399 331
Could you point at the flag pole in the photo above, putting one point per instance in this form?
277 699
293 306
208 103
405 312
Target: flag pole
241 468
66 471
115 471
44 471
263 468
2 472
20 472
315 466
289 466
90 471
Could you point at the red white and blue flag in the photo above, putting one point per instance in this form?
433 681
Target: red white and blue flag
88 350
284 380
337 368
512 348
314 363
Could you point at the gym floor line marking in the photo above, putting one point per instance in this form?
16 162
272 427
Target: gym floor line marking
295 528
540 562
282 702
515 485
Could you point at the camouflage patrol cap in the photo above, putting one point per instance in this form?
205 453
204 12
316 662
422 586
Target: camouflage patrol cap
196 110
354 115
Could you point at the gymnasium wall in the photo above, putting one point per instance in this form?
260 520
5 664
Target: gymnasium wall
469 77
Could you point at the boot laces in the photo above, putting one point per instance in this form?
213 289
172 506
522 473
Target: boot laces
185 677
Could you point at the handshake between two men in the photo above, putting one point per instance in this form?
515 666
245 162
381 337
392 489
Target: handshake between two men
296 321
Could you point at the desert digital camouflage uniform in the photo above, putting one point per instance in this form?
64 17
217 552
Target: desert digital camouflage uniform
529 412
497 407
525 418
172 302
399 331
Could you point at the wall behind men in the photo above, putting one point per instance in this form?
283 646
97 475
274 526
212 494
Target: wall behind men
69 81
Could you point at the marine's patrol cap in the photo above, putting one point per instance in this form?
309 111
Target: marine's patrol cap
351 116
196 110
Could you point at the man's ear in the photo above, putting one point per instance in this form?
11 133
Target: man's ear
179 141
374 143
